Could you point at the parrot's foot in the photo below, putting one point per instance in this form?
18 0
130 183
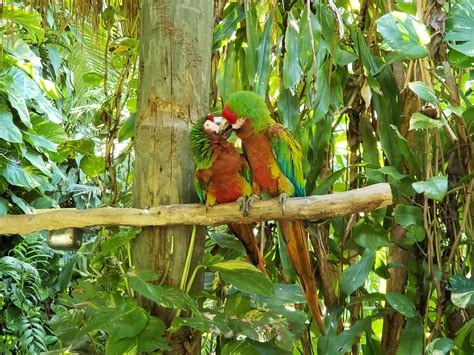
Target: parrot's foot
242 202
282 199
245 202
250 200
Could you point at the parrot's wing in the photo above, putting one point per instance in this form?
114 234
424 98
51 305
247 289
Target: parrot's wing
245 169
201 182
288 155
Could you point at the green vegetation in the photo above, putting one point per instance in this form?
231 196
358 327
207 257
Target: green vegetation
374 91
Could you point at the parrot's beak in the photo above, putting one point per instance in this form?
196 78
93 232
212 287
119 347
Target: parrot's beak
225 129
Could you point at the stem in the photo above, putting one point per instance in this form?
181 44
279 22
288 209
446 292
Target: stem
189 256
168 263
191 279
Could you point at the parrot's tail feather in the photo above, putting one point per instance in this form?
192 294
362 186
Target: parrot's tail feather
245 234
297 248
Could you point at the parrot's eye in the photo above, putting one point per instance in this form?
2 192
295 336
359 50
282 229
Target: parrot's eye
217 120
210 126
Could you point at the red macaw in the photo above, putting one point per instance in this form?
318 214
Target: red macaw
275 159
222 175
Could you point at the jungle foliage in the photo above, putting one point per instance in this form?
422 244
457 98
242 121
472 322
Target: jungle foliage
374 91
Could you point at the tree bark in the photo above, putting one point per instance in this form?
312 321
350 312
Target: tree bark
393 323
175 52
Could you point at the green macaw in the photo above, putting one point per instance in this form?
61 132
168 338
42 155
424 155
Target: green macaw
275 159
222 175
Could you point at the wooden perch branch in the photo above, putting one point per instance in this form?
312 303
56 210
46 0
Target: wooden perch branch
310 207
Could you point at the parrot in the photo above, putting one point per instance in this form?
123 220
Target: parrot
275 159
222 175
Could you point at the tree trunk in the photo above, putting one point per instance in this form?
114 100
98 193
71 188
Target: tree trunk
393 323
175 52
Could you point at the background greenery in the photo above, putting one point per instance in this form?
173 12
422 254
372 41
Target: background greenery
374 91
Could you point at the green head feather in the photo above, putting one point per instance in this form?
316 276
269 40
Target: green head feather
200 145
251 106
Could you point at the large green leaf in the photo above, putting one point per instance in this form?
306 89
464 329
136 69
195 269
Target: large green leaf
370 152
244 276
151 338
435 187
404 34
41 143
227 76
228 241
23 85
387 105
19 104
342 343
440 346
205 322
55 59
126 346
50 111
233 14
239 348
3 206
407 152
29 18
18 175
25 207
8 130
92 165
289 108
173 297
323 97
37 161
146 289
291 67
421 121
460 27
263 55
411 340
355 275
237 304
369 236
253 31
401 303
127 130
92 79
20 50
462 291
406 215
66 272
283 294
70 148
130 323
126 320
415 233
50 130
288 268
466 331
117 240
324 186
170 297
423 91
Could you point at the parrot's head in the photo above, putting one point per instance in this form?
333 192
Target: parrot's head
246 108
211 124
203 134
